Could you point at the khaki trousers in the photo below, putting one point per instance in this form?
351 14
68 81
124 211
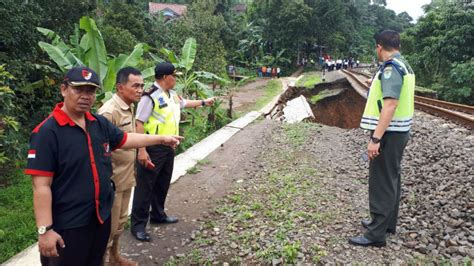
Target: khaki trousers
119 213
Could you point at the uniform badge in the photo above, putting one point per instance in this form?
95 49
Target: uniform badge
161 102
86 74
106 149
387 72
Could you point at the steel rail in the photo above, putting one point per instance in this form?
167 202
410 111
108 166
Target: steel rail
460 113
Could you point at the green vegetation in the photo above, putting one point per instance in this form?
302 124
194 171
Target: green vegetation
272 89
309 80
424 90
323 94
10 147
193 170
439 48
284 200
38 46
17 224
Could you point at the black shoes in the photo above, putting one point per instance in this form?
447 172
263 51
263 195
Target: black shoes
167 220
366 223
142 236
362 241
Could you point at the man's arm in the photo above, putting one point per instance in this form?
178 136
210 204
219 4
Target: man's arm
142 156
42 202
135 140
386 115
197 103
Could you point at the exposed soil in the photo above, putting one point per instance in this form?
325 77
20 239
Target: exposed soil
333 103
247 95
279 193
192 197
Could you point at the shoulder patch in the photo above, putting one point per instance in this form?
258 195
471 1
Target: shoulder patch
387 72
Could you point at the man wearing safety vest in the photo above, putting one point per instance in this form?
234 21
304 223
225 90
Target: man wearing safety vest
158 113
388 116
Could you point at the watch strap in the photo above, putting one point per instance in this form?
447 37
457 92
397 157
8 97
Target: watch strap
375 140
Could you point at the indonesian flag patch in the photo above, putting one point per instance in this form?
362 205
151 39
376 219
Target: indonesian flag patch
31 154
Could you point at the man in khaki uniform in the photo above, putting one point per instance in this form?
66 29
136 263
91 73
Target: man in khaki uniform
120 111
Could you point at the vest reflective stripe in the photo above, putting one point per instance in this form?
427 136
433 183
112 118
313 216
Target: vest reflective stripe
403 116
164 120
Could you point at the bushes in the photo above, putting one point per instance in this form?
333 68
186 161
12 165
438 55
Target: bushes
10 144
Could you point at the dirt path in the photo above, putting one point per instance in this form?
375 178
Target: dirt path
247 95
279 193
194 196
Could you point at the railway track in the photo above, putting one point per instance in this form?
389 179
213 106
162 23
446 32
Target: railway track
459 113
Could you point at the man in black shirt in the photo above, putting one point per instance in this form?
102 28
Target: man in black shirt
70 163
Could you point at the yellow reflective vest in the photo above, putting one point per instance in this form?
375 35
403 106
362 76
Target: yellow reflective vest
166 114
403 116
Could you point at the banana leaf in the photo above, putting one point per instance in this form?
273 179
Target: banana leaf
121 61
59 51
170 55
202 90
95 54
53 36
156 58
148 73
75 42
59 56
211 76
188 54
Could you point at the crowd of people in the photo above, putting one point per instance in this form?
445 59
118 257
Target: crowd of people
83 164
330 64
266 71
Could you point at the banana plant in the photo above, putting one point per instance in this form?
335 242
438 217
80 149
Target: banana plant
191 83
89 50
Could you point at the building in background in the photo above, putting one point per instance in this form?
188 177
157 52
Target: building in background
169 11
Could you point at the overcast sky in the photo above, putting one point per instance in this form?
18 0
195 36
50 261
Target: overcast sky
412 7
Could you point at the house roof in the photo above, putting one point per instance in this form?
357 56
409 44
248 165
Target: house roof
158 7
239 8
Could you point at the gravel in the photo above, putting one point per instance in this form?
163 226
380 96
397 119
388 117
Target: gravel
306 192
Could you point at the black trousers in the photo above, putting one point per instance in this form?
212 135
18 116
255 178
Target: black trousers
152 187
385 185
84 245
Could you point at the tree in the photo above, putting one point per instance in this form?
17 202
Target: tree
127 17
89 50
440 50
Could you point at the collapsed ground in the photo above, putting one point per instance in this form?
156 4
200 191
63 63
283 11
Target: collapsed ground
278 193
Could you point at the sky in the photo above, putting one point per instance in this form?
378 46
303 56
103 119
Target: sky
412 7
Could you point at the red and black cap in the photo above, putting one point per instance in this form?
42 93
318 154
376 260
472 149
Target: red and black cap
82 76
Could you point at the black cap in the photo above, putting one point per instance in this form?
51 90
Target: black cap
81 76
165 69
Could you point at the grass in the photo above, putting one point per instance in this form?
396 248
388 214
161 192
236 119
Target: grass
272 89
423 89
309 80
17 222
323 94
273 208
193 170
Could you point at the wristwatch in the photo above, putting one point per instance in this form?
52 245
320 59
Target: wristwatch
43 229
203 103
374 140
